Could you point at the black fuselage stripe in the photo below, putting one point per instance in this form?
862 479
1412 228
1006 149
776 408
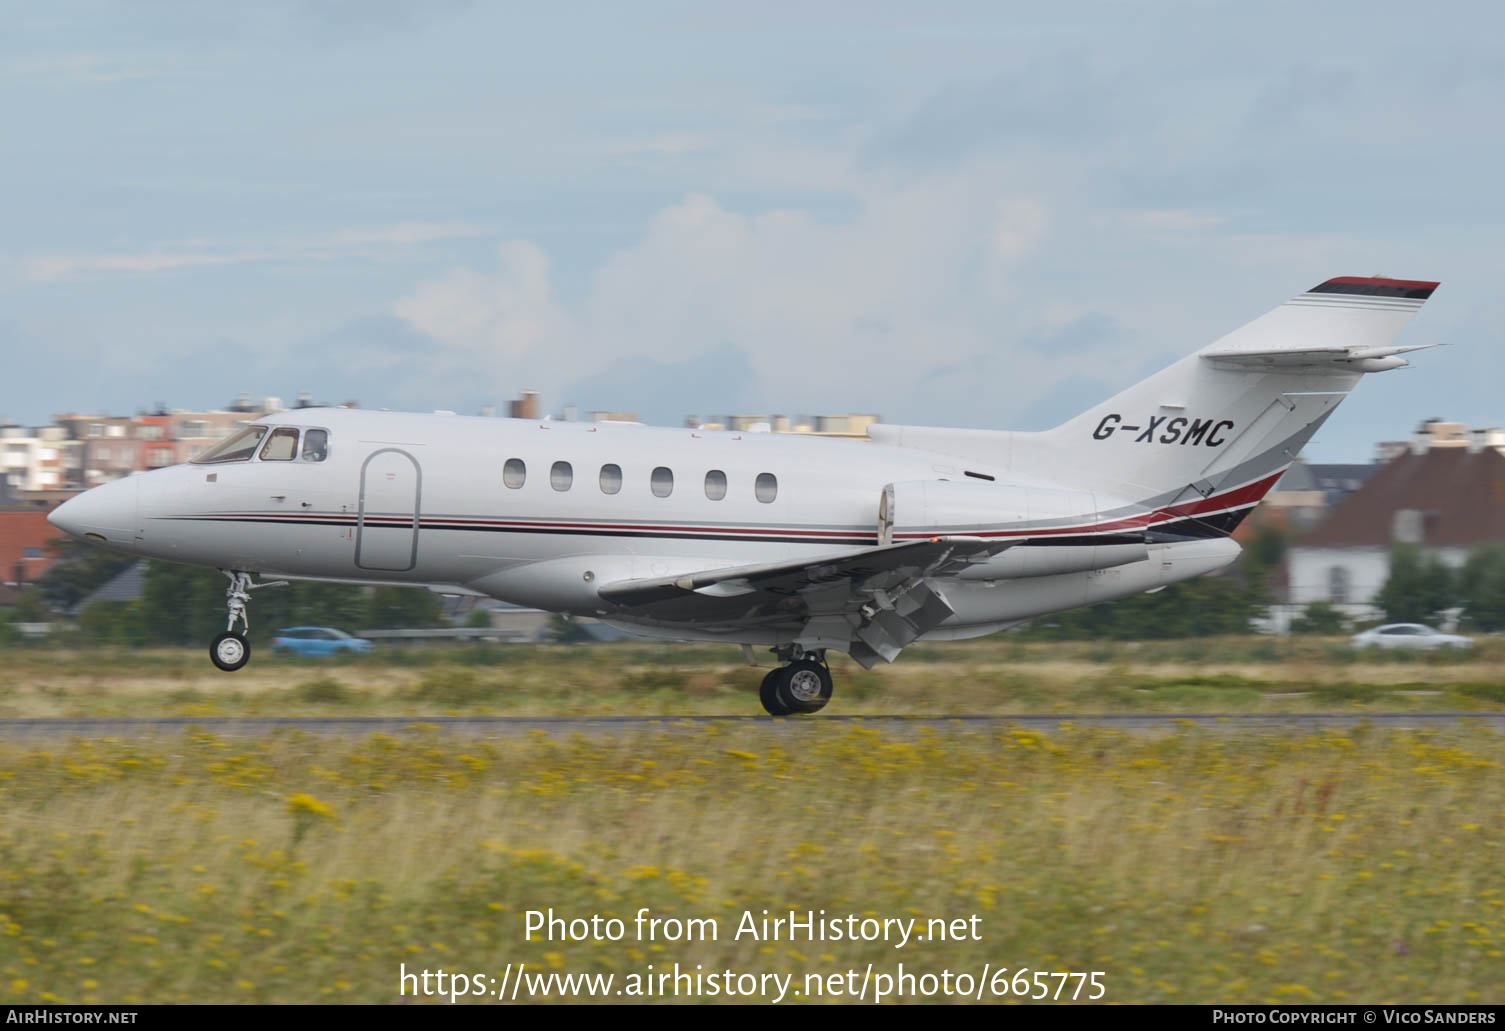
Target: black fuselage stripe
833 538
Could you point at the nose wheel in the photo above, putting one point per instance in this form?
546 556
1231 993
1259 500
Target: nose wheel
803 686
230 650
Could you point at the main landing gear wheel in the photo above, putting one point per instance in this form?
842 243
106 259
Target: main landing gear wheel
803 686
768 694
230 651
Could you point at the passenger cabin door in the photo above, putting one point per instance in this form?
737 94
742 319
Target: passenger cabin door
386 535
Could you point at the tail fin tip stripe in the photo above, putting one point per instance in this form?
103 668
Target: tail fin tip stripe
1376 286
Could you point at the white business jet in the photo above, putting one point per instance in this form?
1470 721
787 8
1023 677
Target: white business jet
801 545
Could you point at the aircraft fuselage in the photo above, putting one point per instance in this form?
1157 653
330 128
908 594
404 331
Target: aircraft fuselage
425 500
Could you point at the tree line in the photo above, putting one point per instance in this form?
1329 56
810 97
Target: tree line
186 604
1420 588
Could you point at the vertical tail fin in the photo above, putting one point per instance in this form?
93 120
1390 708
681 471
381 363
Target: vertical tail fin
1214 431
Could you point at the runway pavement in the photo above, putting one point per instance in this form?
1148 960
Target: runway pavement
511 726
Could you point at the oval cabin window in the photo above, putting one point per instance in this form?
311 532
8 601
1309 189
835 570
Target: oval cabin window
662 482
766 488
514 473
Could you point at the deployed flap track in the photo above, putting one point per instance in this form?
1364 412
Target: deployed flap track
870 603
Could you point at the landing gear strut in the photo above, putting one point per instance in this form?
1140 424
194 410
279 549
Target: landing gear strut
229 651
803 686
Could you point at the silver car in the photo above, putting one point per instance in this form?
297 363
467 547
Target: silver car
1408 635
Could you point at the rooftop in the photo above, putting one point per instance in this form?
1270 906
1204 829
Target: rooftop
1441 497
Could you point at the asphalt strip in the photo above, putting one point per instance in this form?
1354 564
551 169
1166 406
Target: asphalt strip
509 726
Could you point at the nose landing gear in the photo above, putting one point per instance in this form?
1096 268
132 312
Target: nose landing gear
803 686
229 651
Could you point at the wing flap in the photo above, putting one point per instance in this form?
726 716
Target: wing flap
794 591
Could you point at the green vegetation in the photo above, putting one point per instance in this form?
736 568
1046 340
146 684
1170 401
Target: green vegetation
1190 867
182 604
1481 588
1419 589
1205 607
1319 617
565 629
185 604
1195 608
80 570
1003 674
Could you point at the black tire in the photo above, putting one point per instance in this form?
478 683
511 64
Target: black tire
229 651
805 686
768 694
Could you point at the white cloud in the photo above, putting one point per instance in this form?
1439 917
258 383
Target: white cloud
49 268
369 243
506 320
898 222
793 290
829 312
938 297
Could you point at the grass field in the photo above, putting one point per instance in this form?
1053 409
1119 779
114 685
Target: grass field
1189 866
996 675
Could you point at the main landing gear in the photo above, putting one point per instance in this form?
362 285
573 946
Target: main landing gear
803 686
229 651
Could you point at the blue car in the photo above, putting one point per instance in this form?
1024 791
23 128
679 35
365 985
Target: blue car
317 641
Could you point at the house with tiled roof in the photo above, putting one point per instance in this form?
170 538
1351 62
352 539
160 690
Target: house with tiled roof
1304 496
1445 500
25 546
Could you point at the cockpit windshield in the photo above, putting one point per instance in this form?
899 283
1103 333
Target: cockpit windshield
236 448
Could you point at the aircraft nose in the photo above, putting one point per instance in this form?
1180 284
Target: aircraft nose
104 515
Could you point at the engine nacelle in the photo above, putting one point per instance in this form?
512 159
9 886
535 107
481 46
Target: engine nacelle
965 508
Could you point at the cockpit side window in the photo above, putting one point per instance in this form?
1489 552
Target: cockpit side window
238 447
281 446
315 445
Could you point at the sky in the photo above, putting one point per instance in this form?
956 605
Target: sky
989 215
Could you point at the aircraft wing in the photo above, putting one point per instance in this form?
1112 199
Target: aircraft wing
878 599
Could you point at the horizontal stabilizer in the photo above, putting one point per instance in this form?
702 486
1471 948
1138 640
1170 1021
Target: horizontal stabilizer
1333 325
1353 359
